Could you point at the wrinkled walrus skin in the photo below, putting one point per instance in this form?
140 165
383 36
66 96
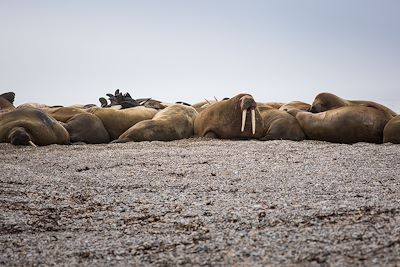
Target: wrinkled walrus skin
30 124
350 124
172 123
235 118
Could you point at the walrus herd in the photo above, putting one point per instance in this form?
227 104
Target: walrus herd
124 119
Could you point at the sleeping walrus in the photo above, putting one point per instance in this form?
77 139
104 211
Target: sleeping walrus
25 126
172 123
349 124
81 125
328 101
117 122
234 118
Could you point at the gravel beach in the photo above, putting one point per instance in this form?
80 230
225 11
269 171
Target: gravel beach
200 202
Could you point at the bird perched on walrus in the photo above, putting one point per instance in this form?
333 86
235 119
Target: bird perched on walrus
233 118
349 124
172 123
328 101
24 126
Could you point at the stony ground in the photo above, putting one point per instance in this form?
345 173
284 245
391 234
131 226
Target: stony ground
200 202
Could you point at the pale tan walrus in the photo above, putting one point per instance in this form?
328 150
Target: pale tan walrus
172 123
117 122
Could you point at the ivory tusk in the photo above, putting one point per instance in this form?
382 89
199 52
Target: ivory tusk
32 143
253 121
244 114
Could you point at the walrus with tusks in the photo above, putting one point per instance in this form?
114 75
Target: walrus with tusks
172 123
349 124
391 132
31 126
234 118
328 101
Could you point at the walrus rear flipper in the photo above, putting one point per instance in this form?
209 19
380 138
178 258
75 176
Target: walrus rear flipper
9 96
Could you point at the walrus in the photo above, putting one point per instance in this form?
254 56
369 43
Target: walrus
349 124
269 105
81 125
391 132
172 123
7 102
117 122
295 105
234 118
328 101
63 114
279 125
24 126
86 128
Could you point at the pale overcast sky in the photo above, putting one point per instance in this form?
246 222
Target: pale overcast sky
68 52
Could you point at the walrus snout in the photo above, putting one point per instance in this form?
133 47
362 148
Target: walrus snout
312 109
19 137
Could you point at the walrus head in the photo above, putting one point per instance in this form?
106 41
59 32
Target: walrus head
247 104
326 101
18 136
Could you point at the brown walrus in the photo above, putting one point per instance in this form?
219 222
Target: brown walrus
25 126
86 128
6 102
172 123
117 122
234 118
328 101
349 124
82 126
391 132
279 124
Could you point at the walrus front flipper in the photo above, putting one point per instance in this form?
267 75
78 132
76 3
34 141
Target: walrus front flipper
211 134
